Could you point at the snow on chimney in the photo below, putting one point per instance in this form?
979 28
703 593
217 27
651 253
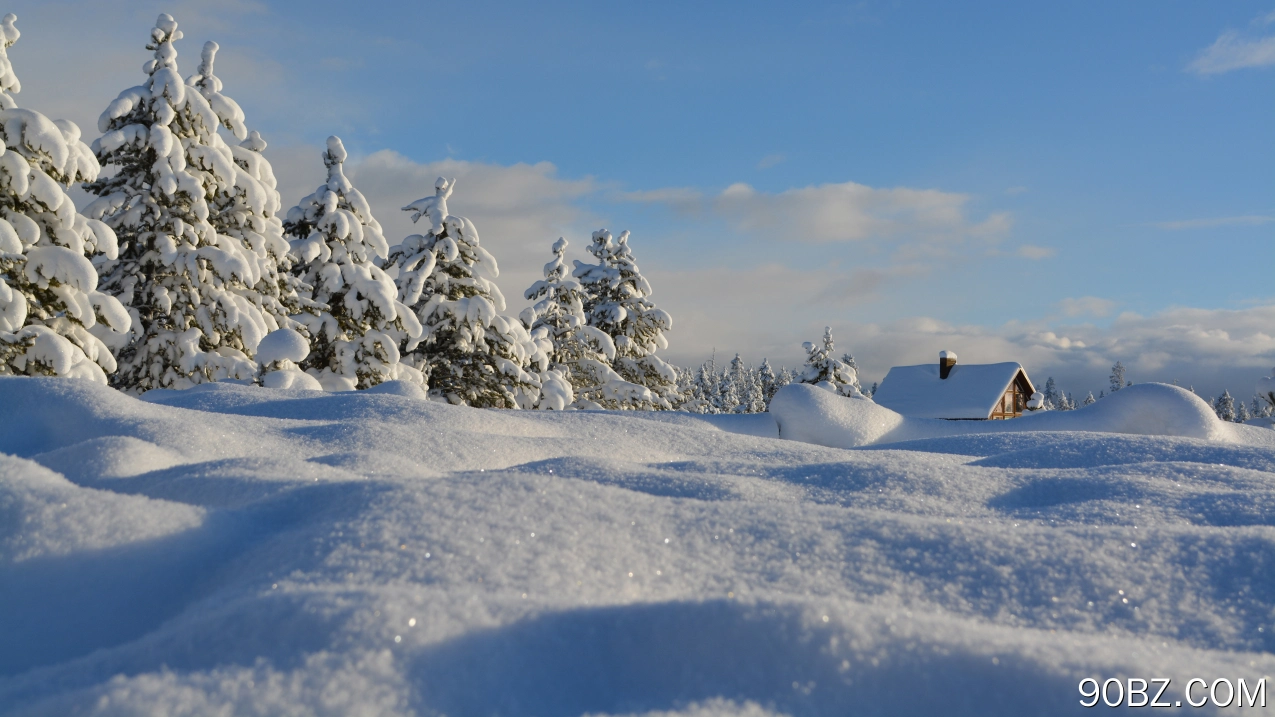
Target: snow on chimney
947 359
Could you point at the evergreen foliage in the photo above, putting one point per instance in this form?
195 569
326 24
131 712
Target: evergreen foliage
50 308
821 367
472 353
1117 377
616 302
358 321
1224 406
185 285
580 353
248 210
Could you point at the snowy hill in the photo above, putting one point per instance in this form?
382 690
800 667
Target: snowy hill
249 551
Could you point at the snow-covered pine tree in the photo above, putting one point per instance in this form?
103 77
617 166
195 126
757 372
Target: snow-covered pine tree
822 368
1089 399
1241 412
1053 398
756 396
184 284
1069 403
1224 406
1103 394
766 374
873 391
581 353
786 376
49 303
616 302
354 339
1260 408
1117 377
248 209
741 383
471 352
727 395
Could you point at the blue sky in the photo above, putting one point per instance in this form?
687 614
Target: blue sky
1065 185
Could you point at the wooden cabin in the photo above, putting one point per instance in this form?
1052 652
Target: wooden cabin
964 392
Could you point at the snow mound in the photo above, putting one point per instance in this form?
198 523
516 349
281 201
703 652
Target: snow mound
234 549
283 345
42 514
108 457
806 413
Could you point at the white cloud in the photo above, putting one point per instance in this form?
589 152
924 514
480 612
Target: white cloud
771 160
1031 251
1210 348
845 212
1233 51
1244 221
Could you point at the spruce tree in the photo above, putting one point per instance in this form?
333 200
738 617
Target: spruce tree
616 302
1241 412
1117 377
1224 406
1089 399
1052 397
184 284
769 381
580 353
50 308
335 242
821 367
471 353
248 209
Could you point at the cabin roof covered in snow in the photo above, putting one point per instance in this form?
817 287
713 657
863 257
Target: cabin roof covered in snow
969 391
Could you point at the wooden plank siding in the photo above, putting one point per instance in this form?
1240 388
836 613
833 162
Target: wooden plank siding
1014 400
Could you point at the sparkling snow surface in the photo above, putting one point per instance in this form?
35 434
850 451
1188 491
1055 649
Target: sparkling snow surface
233 550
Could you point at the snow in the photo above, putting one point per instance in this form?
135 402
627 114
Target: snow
283 345
806 413
969 391
241 550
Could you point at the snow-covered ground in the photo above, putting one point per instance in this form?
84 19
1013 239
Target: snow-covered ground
233 550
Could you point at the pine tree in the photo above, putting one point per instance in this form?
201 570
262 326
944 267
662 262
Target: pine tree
580 353
1089 399
745 385
756 394
248 210
1053 398
616 302
1241 412
821 367
472 353
873 391
729 391
335 242
183 283
769 381
1224 406
1117 377
50 308
699 398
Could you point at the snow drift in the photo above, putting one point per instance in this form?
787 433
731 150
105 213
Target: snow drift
240 550
806 413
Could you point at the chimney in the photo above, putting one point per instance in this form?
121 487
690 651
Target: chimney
947 359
